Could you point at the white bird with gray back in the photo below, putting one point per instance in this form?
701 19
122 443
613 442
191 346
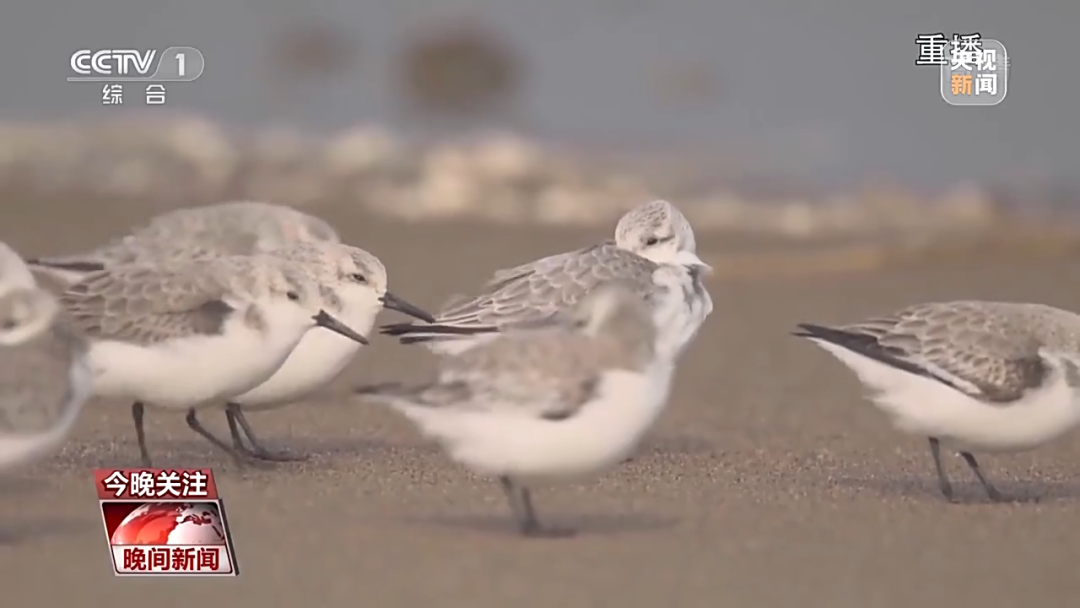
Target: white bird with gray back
230 228
979 376
184 335
652 235
354 290
553 403
202 233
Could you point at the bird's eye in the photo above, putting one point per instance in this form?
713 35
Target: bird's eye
652 240
292 295
359 278
9 324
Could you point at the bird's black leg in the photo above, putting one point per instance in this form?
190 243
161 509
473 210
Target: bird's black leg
522 509
195 425
137 412
234 430
991 491
521 505
943 480
235 415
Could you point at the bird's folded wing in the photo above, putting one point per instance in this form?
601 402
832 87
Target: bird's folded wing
513 393
534 373
145 305
973 352
539 290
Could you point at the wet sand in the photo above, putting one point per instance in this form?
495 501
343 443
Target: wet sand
769 482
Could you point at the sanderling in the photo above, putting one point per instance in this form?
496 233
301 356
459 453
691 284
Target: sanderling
545 404
354 284
651 235
982 376
232 228
182 335
44 379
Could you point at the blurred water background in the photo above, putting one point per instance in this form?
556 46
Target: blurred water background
779 106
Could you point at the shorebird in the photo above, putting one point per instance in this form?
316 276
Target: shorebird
981 376
231 228
204 233
652 235
552 403
183 335
354 290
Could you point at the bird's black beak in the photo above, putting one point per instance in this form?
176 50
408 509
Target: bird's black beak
323 319
393 302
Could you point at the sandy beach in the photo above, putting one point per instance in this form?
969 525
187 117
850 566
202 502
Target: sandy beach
770 481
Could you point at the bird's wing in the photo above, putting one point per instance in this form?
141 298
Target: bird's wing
969 346
538 290
145 305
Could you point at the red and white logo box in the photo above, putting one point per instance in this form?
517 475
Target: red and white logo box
165 522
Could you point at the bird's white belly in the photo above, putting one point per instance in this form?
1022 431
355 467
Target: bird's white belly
930 408
318 359
190 372
971 425
535 451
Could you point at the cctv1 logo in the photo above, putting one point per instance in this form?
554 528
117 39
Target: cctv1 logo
174 64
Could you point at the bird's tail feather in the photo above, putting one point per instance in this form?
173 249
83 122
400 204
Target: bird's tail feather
809 330
70 264
415 333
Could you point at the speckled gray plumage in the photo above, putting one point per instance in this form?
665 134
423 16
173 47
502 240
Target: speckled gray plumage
989 350
551 370
233 228
537 291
